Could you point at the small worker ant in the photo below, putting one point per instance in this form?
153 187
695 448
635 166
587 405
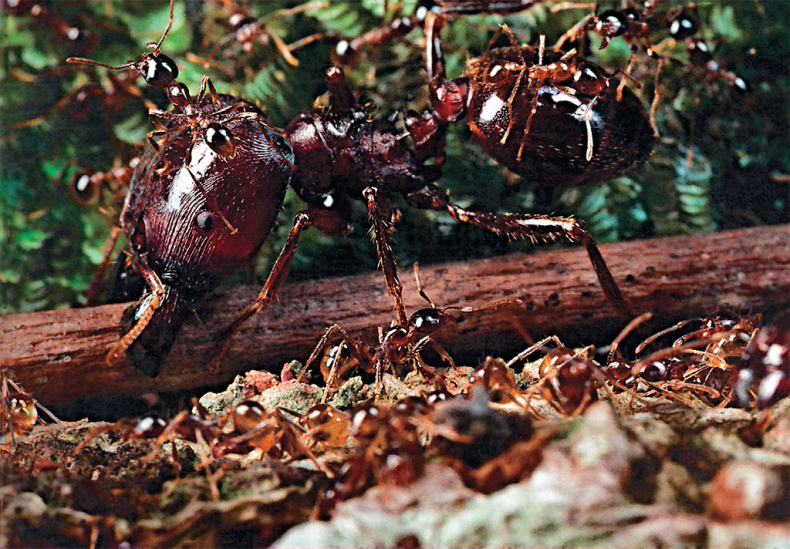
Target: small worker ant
387 449
567 379
86 187
270 432
81 41
247 31
19 413
632 26
400 345
325 425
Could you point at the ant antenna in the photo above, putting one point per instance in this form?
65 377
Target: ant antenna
419 286
167 29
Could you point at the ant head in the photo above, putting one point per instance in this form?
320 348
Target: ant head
614 21
427 321
683 26
150 426
157 69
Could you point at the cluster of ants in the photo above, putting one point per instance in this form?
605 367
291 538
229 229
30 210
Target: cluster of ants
205 194
485 422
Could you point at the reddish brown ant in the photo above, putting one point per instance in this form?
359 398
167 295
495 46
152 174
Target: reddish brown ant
326 425
80 40
632 26
19 413
567 379
86 188
399 345
766 364
387 450
698 362
270 432
248 31
193 217
184 426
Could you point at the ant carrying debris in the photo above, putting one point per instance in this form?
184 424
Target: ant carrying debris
205 197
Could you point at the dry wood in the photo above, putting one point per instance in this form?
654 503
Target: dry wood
59 356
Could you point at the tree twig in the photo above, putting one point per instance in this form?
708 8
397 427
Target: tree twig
59 356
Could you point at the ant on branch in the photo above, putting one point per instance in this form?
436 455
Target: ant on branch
205 197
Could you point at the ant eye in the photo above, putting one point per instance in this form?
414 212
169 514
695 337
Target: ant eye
425 320
220 139
159 70
205 220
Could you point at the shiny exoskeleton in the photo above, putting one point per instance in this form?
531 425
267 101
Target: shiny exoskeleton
398 346
19 413
766 366
186 215
207 190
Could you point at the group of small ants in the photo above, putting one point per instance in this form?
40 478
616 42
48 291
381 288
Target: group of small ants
478 421
719 360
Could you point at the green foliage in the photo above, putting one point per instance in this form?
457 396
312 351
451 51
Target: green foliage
50 245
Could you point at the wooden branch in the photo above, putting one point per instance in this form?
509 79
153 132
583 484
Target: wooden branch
59 356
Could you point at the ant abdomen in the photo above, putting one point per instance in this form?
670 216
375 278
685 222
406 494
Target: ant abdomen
566 136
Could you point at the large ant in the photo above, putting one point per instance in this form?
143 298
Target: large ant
204 198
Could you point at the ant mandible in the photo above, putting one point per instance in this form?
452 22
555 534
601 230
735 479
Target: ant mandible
203 200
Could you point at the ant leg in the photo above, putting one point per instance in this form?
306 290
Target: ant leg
628 70
333 329
656 96
534 228
340 94
415 352
386 260
525 353
98 276
148 307
273 283
573 34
